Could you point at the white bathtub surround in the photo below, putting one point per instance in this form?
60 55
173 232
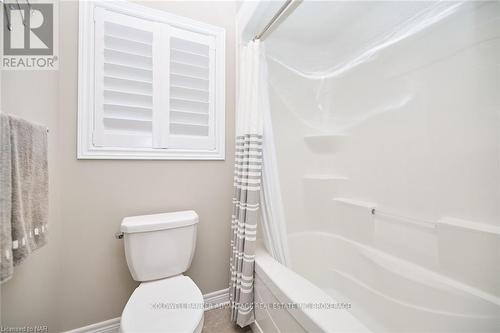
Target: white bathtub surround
247 186
24 191
387 147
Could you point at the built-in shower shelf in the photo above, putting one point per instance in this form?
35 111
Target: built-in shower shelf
324 143
324 177
464 224
325 136
356 203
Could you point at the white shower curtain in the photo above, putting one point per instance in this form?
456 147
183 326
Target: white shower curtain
253 166
272 213
247 186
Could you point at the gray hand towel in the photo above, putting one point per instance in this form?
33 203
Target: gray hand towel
24 191
6 262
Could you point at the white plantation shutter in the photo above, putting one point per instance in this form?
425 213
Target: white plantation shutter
156 85
192 98
128 70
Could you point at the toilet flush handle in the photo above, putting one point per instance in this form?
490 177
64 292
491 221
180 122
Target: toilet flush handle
119 235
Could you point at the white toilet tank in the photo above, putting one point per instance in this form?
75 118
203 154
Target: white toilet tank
160 245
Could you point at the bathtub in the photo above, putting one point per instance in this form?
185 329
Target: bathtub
386 293
277 284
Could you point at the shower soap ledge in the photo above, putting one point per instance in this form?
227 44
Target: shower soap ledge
324 136
476 226
324 177
357 203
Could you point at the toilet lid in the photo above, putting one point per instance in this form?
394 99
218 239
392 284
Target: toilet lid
168 305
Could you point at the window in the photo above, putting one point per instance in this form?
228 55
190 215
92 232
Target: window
151 84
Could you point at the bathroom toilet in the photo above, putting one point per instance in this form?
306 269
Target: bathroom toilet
159 248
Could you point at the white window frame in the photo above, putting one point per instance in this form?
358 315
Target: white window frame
85 146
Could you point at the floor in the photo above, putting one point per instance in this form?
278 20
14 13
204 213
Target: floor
218 321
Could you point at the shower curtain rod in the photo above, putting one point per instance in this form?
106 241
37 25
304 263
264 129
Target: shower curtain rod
273 19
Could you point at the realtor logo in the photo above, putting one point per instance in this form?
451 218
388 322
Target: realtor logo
28 36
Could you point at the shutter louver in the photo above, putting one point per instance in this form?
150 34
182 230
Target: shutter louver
123 80
192 116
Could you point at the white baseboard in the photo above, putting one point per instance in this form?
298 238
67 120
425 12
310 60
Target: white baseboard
107 326
212 300
216 299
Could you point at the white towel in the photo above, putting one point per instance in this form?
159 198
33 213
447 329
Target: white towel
24 191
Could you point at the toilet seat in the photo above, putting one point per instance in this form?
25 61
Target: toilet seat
173 304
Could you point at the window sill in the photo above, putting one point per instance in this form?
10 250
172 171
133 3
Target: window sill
104 153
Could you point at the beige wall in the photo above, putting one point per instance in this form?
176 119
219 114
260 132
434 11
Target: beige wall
81 277
30 297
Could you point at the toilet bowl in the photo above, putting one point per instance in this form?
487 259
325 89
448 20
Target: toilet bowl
158 249
173 304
